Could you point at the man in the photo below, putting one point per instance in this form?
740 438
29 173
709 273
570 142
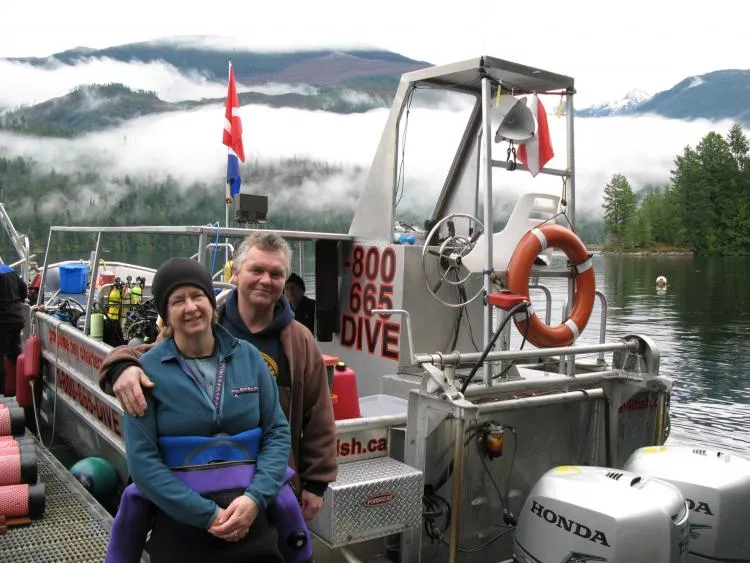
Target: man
13 292
304 307
257 311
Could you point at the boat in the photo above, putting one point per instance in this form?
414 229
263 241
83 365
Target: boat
463 446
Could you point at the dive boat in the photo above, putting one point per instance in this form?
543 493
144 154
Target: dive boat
460 445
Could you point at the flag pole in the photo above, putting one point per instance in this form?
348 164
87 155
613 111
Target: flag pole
232 138
228 199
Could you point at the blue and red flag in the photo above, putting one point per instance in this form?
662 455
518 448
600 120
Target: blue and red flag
233 138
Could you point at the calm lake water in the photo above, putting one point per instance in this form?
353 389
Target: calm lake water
700 324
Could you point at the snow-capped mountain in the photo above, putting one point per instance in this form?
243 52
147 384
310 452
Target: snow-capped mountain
718 95
622 106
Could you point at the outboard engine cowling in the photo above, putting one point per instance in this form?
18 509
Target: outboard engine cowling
579 513
716 485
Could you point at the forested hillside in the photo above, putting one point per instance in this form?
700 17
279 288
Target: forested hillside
37 199
705 208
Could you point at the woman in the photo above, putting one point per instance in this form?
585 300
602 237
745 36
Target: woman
207 383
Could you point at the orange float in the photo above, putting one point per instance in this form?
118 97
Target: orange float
519 270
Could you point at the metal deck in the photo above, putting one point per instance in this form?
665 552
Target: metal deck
74 527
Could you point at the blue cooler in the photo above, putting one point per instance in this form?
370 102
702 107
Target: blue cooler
73 278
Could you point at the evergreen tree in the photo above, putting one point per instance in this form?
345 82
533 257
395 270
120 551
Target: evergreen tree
619 207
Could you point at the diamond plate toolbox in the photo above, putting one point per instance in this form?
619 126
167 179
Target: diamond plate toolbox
370 499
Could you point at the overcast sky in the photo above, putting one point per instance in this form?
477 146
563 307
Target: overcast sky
650 45
608 47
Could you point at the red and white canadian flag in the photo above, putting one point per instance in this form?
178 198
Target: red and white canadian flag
537 152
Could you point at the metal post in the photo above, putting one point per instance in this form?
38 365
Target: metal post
661 415
26 266
570 359
571 195
458 473
226 240
202 248
92 283
40 298
602 324
571 159
486 168
415 455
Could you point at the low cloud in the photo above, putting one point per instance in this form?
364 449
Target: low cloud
25 84
187 146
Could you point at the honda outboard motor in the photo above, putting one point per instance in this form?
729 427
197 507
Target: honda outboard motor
716 485
576 513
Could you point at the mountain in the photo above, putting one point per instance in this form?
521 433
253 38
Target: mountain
335 81
86 108
723 94
621 106
97 107
319 67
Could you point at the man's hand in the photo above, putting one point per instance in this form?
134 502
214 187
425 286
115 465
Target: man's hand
233 523
311 504
128 389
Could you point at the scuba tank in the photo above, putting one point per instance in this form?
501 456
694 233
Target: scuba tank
136 292
114 300
228 268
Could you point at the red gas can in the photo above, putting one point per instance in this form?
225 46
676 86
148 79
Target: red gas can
345 389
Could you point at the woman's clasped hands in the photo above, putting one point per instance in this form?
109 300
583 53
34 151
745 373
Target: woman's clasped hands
233 523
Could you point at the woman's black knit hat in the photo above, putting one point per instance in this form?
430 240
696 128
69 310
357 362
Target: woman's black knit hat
176 272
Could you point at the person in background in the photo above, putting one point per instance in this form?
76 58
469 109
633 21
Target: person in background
206 383
33 293
303 306
13 292
257 311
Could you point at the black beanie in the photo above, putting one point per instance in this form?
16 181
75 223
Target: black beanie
176 272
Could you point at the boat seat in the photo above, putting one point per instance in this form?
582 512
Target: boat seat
531 210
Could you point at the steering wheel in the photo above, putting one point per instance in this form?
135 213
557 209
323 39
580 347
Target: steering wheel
449 256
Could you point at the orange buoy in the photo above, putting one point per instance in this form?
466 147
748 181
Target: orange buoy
23 383
32 355
519 270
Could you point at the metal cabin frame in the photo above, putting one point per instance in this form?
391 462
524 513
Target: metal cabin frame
476 77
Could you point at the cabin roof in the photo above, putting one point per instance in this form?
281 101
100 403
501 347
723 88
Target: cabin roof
466 76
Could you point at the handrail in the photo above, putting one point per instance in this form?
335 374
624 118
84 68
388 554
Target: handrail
456 358
198 230
407 316
602 322
548 305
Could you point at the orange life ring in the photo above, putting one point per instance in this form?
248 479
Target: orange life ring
519 270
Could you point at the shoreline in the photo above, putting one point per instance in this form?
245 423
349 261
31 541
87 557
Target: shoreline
649 252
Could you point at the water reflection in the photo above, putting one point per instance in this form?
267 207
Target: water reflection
700 324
